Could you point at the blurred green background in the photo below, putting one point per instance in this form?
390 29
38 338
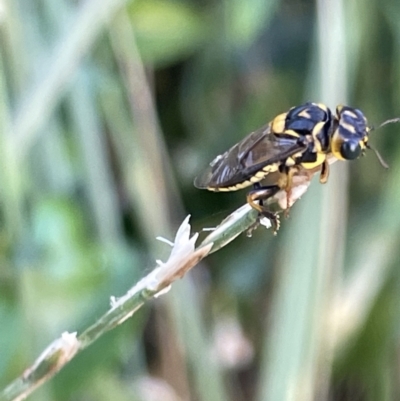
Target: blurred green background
108 111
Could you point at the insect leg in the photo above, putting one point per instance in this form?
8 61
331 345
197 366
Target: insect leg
289 178
323 178
257 185
255 199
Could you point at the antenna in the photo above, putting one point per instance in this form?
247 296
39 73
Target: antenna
380 158
378 155
391 121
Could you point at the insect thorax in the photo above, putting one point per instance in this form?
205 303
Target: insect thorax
311 124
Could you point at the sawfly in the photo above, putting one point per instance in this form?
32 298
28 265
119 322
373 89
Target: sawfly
279 159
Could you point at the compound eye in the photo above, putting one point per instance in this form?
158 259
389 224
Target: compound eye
350 150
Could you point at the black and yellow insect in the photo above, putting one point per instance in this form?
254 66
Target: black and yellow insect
305 139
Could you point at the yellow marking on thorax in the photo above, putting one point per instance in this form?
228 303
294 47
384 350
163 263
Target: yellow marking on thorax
317 129
339 109
278 123
292 133
323 107
290 162
305 114
310 165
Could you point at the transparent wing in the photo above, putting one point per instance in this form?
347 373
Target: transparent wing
244 159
